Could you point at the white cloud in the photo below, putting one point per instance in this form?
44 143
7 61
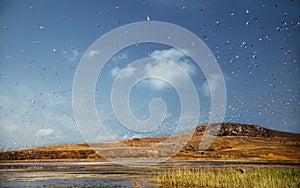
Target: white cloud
92 53
120 57
127 136
127 71
9 128
160 68
115 71
44 132
165 65
71 55
167 61
171 54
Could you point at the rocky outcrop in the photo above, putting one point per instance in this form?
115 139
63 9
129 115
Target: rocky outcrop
235 129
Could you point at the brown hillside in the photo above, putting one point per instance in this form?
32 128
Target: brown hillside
233 142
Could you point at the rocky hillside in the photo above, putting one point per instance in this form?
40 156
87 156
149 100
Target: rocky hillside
236 141
233 141
237 129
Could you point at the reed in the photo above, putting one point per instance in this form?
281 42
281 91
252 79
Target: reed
230 177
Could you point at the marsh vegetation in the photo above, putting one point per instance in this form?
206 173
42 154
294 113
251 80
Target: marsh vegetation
230 177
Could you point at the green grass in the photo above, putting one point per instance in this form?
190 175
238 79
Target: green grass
253 177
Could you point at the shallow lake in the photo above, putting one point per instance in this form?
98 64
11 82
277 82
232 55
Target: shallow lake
94 174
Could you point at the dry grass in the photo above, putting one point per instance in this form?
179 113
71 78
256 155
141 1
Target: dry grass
230 177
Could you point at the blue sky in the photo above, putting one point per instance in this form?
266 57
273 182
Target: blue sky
256 44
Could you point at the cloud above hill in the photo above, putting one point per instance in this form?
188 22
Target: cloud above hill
165 65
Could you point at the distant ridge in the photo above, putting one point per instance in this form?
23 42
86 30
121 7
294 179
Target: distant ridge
233 142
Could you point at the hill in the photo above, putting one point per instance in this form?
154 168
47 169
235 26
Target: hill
233 142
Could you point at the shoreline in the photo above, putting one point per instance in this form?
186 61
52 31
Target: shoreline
190 163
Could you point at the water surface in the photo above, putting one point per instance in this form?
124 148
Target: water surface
95 174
